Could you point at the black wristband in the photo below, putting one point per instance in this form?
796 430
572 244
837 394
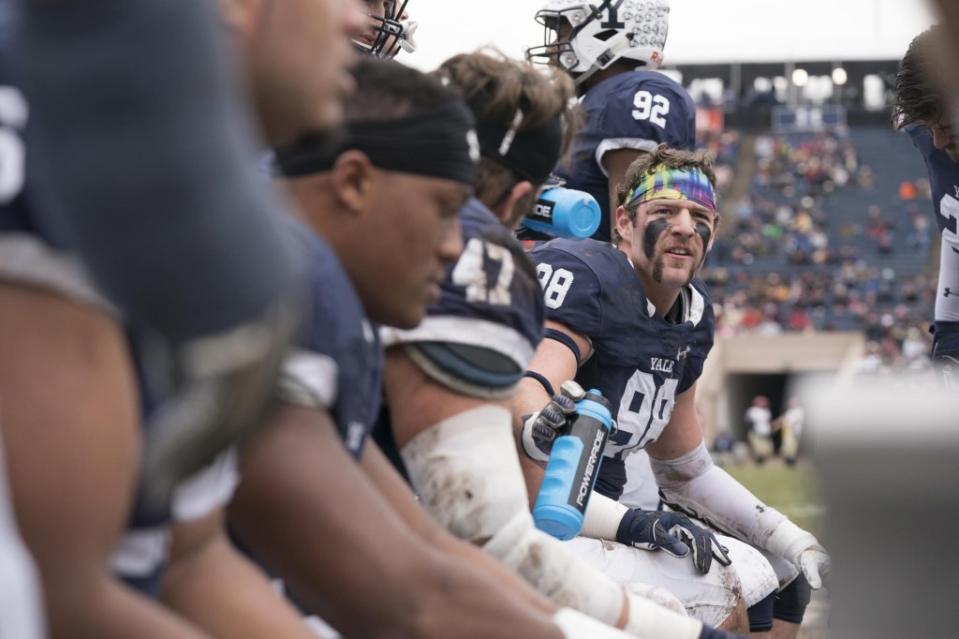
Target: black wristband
542 380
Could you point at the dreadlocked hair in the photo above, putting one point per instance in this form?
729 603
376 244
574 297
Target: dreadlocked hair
511 86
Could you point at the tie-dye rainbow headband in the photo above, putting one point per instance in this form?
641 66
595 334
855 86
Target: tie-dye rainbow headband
674 184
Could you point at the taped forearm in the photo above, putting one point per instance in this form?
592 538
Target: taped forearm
603 516
547 565
467 473
695 484
144 155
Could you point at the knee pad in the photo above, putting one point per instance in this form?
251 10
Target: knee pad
791 601
761 614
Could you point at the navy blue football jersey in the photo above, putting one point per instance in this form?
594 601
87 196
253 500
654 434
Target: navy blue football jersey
943 180
339 364
14 212
634 110
489 298
640 361
944 183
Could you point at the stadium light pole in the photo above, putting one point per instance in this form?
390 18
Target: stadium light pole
839 79
799 78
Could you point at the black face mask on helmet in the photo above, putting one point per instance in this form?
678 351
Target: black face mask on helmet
392 35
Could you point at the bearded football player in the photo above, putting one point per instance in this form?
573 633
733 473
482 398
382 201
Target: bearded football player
632 320
449 381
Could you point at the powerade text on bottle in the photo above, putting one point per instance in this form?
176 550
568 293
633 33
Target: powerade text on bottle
572 469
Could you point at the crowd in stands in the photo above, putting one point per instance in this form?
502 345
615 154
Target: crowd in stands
787 260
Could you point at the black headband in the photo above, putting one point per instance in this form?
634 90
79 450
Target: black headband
530 153
438 143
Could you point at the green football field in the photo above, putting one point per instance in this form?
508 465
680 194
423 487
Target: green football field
792 490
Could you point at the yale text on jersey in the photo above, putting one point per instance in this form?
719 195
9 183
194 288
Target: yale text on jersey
662 365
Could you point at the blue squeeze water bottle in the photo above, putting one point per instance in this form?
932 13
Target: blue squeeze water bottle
562 212
572 469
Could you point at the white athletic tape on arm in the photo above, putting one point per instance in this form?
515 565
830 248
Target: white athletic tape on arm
210 488
308 379
789 541
603 516
576 625
693 482
467 473
647 619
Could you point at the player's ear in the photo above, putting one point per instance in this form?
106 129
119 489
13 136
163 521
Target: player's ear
712 238
352 179
623 222
516 204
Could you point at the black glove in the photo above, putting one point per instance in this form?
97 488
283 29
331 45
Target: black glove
674 533
541 429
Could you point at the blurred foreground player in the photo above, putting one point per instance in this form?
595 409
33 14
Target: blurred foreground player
632 320
200 556
612 50
122 177
449 380
319 505
923 110
21 612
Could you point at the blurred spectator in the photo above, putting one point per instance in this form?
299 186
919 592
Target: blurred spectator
790 426
758 420
908 191
785 261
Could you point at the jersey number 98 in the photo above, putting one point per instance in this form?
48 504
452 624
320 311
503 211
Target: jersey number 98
555 284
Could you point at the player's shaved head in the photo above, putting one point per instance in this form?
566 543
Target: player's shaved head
387 90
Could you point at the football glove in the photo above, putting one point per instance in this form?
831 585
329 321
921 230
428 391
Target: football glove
802 550
542 428
674 533
814 563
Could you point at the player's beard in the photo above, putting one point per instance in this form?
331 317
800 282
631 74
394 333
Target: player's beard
655 249
659 266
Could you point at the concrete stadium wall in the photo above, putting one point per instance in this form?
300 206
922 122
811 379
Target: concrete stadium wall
726 376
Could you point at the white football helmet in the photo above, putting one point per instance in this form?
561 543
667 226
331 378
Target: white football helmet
584 38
